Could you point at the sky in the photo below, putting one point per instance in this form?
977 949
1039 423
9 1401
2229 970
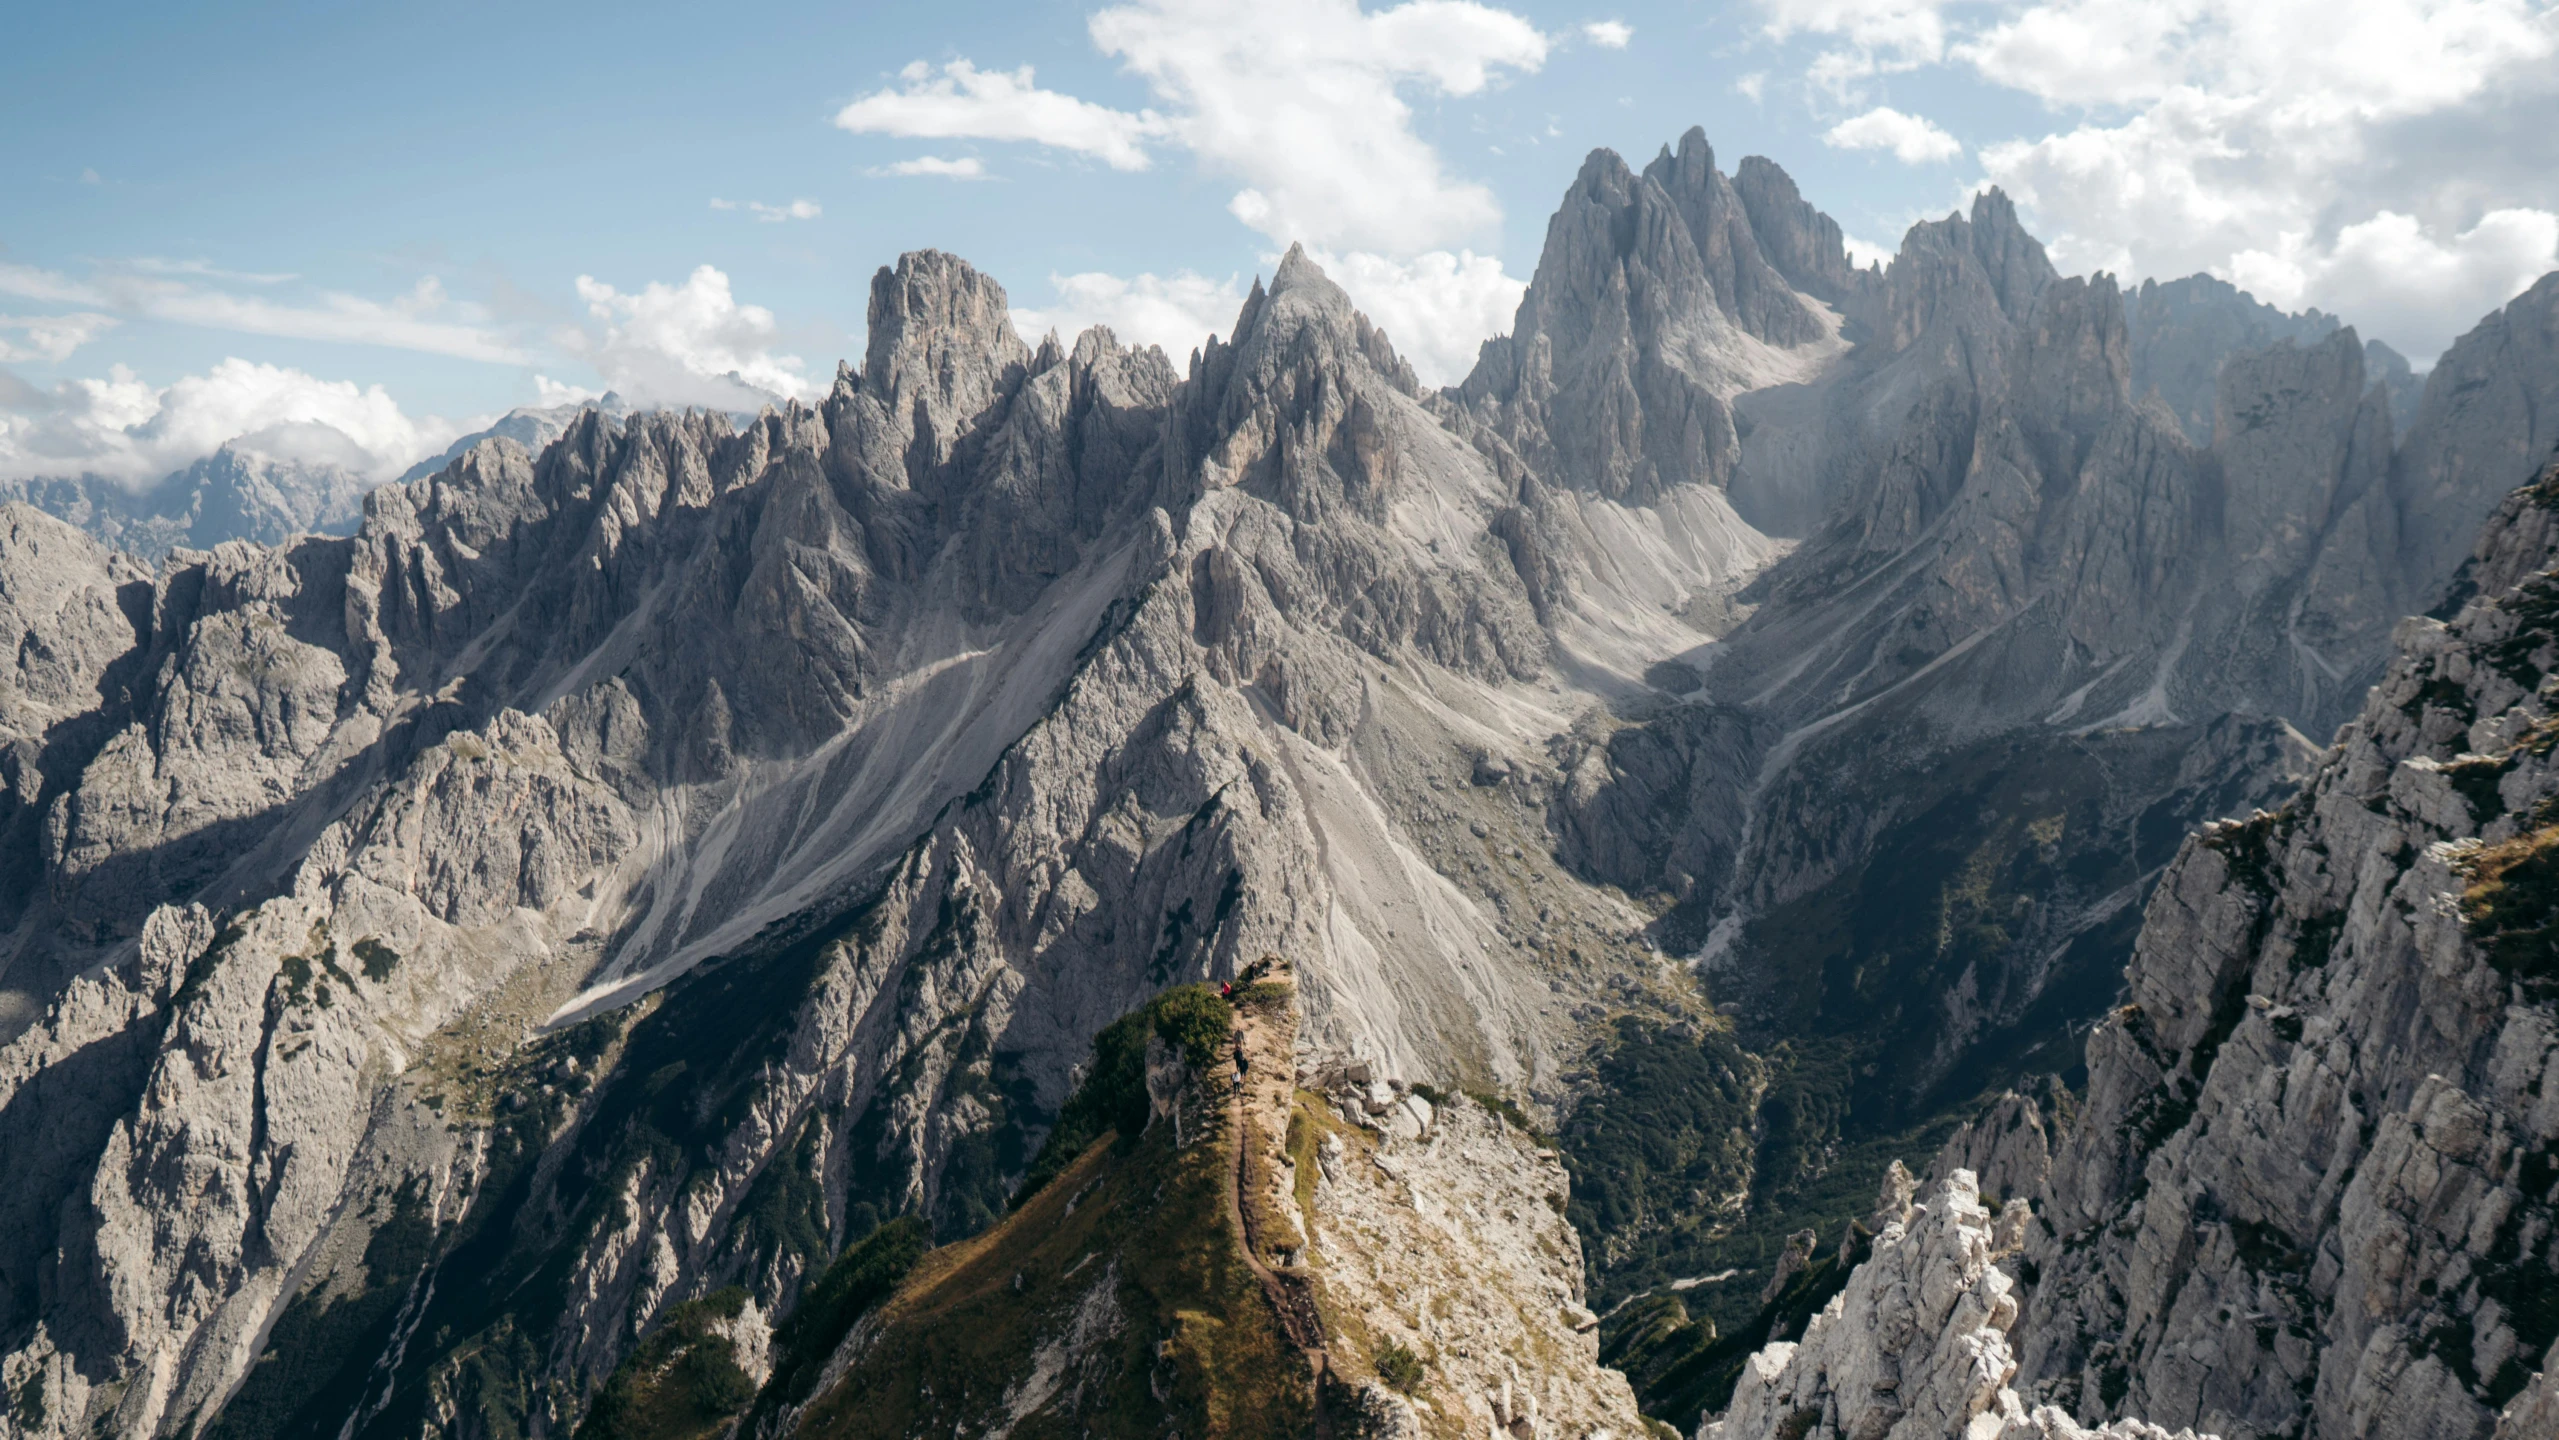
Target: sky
356 232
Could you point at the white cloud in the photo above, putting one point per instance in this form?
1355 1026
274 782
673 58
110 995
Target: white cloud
2407 280
1437 308
126 430
549 393
689 344
50 338
157 265
965 167
1752 87
89 176
1303 103
1875 36
1912 139
1175 312
966 103
1300 100
773 214
1862 253
425 319
2389 160
1611 33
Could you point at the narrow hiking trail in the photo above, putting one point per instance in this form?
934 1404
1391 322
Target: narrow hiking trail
1263 1090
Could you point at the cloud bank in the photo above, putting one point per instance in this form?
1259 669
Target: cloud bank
126 430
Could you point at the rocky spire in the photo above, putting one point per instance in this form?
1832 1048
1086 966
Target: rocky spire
1803 244
942 348
1746 286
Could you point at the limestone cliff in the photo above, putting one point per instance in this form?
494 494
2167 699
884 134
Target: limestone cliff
2308 1189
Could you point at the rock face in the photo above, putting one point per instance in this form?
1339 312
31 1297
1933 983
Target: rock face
2184 331
2022 575
1917 1345
1651 308
2309 1188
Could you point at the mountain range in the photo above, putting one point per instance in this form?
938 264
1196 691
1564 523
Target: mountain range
1056 891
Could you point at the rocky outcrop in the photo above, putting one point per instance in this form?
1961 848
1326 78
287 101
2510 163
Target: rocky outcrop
2489 417
2308 1188
263 488
1917 1346
2185 331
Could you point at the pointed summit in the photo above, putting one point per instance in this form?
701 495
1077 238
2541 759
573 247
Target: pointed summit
1747 287
942 343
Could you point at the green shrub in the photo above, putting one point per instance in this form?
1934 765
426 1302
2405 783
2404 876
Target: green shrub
1400 1368
682 1381
1112 1099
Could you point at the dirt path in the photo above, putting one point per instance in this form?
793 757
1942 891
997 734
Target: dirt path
1267 1068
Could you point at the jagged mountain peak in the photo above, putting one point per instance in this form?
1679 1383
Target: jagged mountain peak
1747 287
1805 245
942 346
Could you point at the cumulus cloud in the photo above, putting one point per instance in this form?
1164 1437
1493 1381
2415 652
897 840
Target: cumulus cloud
1437 308
1304 104
124 429
1307 106
2389 160
2407 280
966 103
424 319
49 338
550 394
688 344
964 167
1175 312
1610 33
1870 37
1912 139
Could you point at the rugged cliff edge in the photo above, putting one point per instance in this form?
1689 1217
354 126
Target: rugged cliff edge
2309 1189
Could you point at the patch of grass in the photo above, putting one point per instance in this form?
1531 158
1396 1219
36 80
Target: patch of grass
1308 1120
2512 907
852 1285
1400 1368
1112 1098
1509 1110
377 959
28 1405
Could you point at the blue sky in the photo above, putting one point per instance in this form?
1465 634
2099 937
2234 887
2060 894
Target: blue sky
401 220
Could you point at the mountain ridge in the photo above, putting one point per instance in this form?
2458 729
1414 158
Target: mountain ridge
643 868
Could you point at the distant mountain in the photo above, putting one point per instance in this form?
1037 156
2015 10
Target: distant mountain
243 492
